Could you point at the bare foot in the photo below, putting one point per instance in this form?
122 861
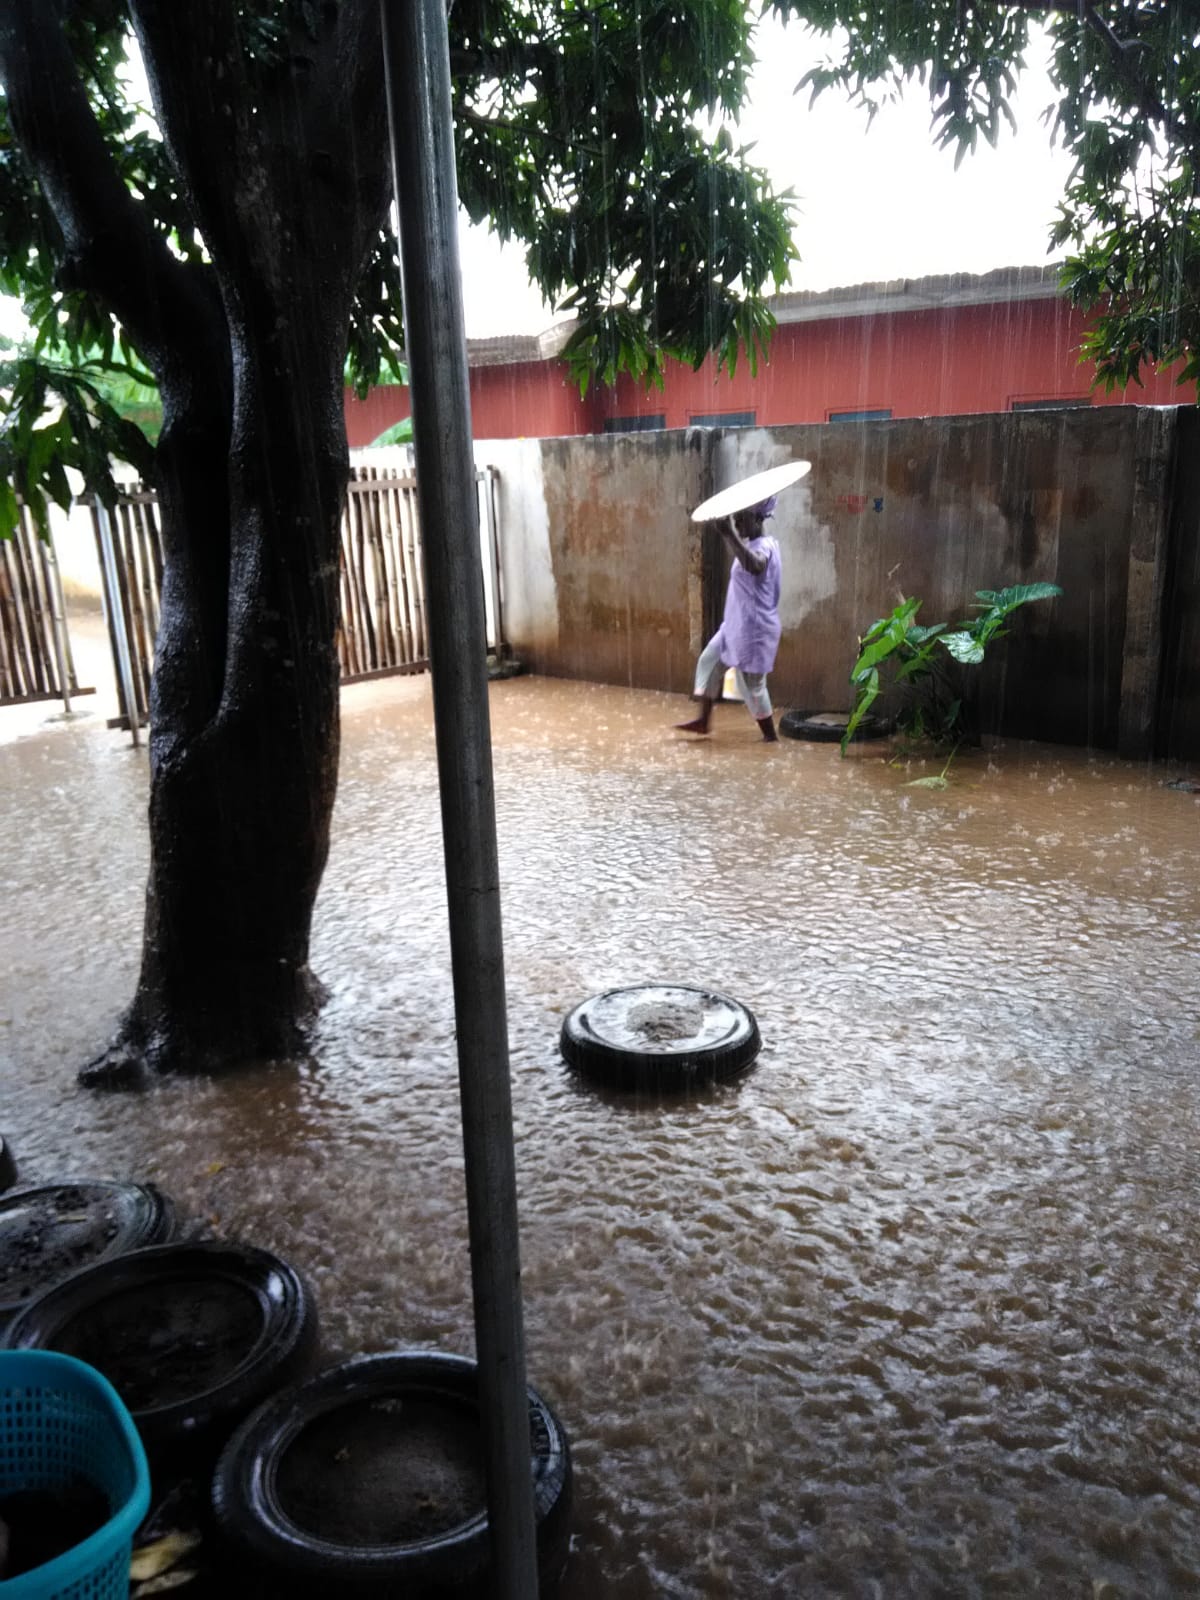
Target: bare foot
698 725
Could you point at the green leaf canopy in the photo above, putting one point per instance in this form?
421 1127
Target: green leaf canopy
581 134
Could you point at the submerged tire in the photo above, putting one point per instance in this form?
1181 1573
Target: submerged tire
827 727
191 1336
660 1036
369 1481
51 1231
8 1167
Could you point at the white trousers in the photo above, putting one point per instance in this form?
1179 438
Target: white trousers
752 686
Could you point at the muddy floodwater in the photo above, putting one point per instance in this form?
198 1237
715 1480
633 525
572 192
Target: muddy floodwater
912 1310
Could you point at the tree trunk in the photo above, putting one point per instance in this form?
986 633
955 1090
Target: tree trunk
244 717
280 157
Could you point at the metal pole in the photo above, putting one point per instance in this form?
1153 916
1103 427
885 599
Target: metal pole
417 64
58 626
116 620
496 620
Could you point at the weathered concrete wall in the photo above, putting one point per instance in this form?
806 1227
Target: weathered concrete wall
606 577
527 577
940 508
1178 722
601 564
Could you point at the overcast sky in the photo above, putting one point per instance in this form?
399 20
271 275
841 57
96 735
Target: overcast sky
873 205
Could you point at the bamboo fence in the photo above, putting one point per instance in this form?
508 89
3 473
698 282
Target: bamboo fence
381 629
35 653
129 544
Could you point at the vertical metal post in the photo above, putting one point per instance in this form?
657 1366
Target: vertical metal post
487 557
57 623
116 620
417 65
493 545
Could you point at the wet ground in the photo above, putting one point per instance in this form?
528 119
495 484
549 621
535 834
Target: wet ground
910 1311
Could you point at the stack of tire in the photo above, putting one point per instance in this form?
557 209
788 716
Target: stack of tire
363 1480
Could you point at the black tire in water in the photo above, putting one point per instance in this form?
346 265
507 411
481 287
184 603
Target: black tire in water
8 1166
50 1231
191 1336
369 1481
827 727
660 1036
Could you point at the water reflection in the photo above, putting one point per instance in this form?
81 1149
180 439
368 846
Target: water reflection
911 1310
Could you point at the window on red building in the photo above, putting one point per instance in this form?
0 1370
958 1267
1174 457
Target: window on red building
722 419
642 424
1073 401
879 414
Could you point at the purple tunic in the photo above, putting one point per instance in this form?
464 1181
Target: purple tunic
749 633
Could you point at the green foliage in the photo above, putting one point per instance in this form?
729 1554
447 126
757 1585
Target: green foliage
1130 217
399 433
1127 82
968 57
600 138
578 132
54 417
918 655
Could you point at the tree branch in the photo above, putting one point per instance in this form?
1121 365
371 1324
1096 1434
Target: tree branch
197 83
252 138
1149 102
109 245
479 119
346 128
505 61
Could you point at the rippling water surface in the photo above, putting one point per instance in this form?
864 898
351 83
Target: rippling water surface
910 1311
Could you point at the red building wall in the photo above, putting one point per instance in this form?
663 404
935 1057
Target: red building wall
950 361
524 400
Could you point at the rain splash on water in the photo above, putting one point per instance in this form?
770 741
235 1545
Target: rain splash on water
910 1310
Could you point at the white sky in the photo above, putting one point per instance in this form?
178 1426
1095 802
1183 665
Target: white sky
872 205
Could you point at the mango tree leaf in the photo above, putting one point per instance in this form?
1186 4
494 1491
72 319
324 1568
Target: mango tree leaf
10 514
1125 80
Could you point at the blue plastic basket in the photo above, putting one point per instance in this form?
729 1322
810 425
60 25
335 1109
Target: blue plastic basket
60 1420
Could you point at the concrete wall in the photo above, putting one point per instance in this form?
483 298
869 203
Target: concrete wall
601 565
607 579
1178 719
75 552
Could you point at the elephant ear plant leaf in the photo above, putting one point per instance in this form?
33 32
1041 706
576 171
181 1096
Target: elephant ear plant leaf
919 654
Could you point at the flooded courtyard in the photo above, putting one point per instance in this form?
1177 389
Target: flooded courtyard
911 1310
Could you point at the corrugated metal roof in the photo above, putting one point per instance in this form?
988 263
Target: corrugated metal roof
820 305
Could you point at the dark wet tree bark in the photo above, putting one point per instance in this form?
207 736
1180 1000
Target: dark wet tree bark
244 257
283 166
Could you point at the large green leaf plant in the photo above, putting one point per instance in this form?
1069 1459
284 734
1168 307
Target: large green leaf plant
924 664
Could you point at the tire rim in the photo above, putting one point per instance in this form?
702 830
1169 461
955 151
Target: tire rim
191 1336
51 1232
662 1033
403 1433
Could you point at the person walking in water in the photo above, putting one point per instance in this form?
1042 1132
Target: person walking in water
749 633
